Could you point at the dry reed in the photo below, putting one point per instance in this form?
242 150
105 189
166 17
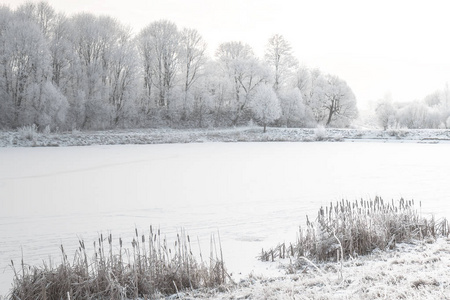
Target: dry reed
148 269
357 228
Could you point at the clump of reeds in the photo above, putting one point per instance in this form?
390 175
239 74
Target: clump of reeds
149 268
356 228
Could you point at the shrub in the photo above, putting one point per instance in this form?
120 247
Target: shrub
356 228
28 132
46 130
320 133
397 132
150 268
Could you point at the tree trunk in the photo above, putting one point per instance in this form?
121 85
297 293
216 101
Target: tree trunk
329 118
330 115
264 128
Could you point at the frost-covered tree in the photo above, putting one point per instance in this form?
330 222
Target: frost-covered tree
92 38
446 96
86 71
311 85
251 73
431 112
123 79
315 97
102 73
265 105
202 102
302 81
46 105
192 61
40 13
292 108
385 112
219 88
229 56
434 99
434 118
413 115
6 101
62 52
438 103
159 45
25 68
244 72
328 99
340 102
27 63
279 57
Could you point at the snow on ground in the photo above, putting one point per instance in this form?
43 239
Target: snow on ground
241 134
411 271
254 194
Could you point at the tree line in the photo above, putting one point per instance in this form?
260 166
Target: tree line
431 112
91 72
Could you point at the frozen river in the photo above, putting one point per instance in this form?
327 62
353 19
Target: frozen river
255 194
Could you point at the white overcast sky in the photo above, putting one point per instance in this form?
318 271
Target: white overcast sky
378 47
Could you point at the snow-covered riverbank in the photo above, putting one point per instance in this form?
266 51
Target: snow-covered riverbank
23 138
419 270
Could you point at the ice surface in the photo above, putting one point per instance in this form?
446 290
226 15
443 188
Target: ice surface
255 194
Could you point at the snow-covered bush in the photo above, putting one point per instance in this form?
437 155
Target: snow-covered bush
46 130
385 112
29 132
398 132
320 133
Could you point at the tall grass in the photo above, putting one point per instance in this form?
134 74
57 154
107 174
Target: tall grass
347 229
149 268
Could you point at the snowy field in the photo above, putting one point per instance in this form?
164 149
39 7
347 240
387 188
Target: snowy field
254 194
